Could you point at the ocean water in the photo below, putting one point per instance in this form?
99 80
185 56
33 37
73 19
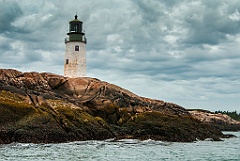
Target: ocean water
124 150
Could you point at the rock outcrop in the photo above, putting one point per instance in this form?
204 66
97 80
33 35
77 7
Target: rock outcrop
44 107
220 121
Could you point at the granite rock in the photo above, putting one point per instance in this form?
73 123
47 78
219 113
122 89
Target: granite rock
44 107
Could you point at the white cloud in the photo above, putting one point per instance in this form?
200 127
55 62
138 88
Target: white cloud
235 16
185 51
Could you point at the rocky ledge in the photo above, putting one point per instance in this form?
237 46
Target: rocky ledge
219 121
43 108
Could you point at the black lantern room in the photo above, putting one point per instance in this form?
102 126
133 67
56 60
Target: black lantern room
76 31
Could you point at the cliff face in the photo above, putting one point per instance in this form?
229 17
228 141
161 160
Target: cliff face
220 121
43 107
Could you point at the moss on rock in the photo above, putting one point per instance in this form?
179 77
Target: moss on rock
43 108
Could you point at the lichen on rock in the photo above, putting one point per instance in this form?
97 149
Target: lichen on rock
44 107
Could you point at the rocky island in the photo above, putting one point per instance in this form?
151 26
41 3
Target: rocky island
49 108
220 121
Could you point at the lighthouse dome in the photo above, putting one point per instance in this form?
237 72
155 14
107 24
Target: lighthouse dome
75 20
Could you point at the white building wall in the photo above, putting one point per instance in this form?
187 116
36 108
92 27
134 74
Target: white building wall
75 61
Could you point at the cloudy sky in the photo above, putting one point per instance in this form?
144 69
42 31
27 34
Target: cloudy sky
186 52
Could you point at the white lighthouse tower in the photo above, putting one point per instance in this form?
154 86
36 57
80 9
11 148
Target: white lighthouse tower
75 55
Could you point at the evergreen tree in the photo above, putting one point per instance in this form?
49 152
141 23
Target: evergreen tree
234 114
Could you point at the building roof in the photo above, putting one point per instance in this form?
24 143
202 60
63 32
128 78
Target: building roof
75 20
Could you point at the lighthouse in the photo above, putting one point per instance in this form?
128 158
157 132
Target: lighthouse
75 55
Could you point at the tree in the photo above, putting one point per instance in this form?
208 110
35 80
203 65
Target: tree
234 114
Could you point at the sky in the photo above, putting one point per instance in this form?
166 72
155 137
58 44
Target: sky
185 52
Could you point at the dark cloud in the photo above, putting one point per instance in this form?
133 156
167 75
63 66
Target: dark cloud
180 51
31 34
149 10
210 22
10 11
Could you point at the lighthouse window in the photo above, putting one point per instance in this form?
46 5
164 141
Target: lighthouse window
76 48
66 61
